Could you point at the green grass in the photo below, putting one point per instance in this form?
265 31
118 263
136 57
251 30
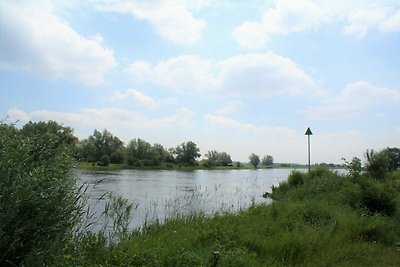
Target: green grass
315 220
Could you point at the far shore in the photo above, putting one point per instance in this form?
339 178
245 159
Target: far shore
115 167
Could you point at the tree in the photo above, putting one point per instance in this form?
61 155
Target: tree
393 156
354 166
99 144
254 160
377 164
187 153
212 157
215 158
51 133
224 159
139 152
267 160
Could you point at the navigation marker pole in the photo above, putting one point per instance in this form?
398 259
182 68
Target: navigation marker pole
308 133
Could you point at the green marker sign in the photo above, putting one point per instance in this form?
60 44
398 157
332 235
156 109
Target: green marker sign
308 133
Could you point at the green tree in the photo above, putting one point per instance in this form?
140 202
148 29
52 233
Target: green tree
139 153
51 131
99 144
224 159
212 157
393 156
187 153
267 160
377 164
254 160
354 166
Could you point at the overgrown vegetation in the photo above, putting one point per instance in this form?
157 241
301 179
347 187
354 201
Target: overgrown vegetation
316 219
39 200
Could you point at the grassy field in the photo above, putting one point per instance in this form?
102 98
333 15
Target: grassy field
316 219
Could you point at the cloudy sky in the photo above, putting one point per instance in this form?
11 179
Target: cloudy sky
236 76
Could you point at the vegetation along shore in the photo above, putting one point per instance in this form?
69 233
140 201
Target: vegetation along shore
318 218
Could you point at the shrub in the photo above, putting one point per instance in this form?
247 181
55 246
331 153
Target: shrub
377 164
40 203
366 194
295 178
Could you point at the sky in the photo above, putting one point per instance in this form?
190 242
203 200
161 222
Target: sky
237 76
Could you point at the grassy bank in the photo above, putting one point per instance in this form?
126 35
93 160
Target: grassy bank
113 167
316 219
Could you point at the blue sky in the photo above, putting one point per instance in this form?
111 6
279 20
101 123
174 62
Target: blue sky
237 76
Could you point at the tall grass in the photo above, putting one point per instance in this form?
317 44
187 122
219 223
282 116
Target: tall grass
40 203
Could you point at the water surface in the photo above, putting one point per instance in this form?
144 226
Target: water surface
161 194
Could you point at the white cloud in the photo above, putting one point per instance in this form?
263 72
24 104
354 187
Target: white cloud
134 96
355 99
184 74
139 69
236 125
171 19
35 40
105 118
263 75
250 35
294 16
383 19
229 108
248 74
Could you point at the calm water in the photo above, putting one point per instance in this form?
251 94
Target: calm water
161 194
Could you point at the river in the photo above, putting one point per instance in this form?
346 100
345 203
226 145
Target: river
162 194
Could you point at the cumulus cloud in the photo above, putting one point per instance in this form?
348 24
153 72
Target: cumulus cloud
171 19
250 35
227 122
263 74
383 19
105 118
355 99
134 96
294 16
259 74
34 39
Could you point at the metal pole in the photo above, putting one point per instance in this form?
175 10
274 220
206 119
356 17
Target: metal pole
309 162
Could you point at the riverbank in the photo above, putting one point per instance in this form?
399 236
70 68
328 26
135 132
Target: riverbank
114 167
316 219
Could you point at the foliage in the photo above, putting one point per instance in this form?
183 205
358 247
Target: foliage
377 164
100 144
140 153
254 160
267 160
393 156
215 158
354 166
40 203
187 153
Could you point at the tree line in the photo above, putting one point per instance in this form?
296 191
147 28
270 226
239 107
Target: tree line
104 148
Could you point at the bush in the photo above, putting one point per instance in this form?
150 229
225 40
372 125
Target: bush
295 178
366 194
377 164
39 199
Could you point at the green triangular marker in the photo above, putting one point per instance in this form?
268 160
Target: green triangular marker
308 132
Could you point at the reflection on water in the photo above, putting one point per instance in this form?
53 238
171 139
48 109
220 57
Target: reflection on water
161 194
